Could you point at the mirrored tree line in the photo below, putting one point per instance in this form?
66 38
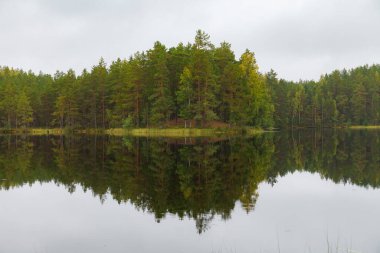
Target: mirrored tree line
199 180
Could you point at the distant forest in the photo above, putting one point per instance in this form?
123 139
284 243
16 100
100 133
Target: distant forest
190 85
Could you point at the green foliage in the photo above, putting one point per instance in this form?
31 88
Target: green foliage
196 83
24 113
185 96
258 98
160 97
203 79
341 98
128 122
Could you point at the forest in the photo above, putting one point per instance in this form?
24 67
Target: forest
191 85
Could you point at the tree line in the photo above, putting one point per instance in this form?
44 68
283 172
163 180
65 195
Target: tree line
342 98
190 85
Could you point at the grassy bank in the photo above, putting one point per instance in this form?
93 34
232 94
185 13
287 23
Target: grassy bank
182 132
158 132
33 131
365 127
139 132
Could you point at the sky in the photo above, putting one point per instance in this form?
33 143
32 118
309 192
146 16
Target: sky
299 39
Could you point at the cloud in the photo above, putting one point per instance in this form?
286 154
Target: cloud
297 38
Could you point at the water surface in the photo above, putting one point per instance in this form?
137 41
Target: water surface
284 192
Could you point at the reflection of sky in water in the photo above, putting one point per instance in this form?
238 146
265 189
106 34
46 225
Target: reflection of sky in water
298 213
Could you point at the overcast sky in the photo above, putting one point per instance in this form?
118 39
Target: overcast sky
299 39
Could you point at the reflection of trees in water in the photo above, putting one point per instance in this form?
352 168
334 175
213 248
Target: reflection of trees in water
15 166
198 181
342 156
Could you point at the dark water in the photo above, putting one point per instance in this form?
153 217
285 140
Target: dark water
284 192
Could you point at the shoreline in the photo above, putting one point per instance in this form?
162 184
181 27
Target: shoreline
140 132
183 132
358 127
160 132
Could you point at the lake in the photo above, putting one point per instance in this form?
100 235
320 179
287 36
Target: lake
301 191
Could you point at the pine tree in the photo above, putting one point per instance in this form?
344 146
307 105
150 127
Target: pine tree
117 81
359 102
161 100
8 104
24 112
66 108
185 96
99 96
203 77
135 88
178 59
226 78
233 96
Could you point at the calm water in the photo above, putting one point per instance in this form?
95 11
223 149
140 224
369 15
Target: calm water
283 192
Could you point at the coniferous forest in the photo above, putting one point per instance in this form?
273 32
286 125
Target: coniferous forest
190 85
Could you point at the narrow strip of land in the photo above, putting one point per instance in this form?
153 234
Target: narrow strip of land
141 132
365 127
